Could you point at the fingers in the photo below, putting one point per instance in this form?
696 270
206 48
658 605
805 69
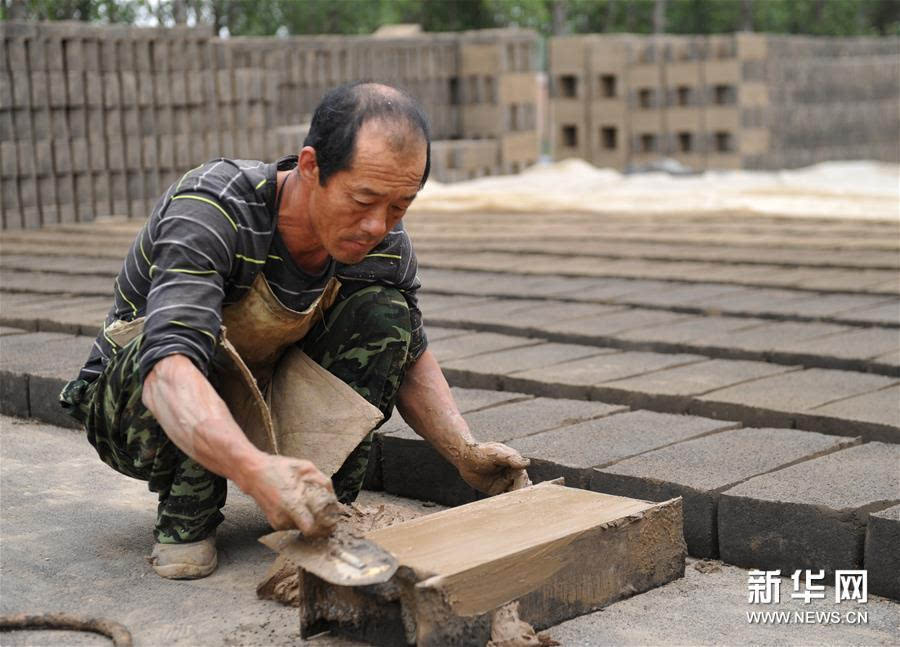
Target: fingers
507 481
503 455
306 471
311 522
313 508
520 480
298 495
303 519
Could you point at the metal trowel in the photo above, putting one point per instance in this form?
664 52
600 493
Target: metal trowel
340 559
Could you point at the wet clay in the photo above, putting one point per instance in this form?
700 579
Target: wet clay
353 521
508 630
706 566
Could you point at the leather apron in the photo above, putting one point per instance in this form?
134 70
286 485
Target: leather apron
283 401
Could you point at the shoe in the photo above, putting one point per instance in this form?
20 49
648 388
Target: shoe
189 561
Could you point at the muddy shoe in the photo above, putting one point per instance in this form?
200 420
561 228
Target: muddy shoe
185 561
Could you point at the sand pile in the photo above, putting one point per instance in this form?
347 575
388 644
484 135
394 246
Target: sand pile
861 190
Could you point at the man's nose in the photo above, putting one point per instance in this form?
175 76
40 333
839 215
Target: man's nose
374 225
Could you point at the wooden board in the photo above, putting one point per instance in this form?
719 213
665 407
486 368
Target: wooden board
560 552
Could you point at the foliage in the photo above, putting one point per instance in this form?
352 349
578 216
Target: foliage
267 17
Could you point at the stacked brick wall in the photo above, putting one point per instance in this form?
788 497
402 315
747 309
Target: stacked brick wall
307 67
832 99
98 120
729 101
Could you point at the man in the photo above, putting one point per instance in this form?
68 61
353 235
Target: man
262 261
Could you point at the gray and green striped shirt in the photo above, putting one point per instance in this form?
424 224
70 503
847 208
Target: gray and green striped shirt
205 241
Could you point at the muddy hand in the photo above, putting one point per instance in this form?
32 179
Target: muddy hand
293 493
493 468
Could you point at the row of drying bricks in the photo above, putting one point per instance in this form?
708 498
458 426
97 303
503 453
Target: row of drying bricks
772 498
762 498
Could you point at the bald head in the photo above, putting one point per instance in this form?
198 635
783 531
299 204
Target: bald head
338 118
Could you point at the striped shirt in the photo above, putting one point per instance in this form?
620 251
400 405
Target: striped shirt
207 238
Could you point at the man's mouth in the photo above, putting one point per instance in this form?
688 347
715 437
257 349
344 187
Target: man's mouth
361 244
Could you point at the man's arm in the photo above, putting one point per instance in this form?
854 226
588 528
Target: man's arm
291 492
426 404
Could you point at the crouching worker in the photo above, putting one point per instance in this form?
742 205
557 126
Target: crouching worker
265 322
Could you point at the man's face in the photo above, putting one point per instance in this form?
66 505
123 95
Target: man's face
358 206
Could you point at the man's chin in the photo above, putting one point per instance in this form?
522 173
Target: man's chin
350 257
351 254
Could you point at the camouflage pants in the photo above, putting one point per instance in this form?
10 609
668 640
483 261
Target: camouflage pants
363 340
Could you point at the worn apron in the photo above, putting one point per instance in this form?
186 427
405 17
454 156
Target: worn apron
283 401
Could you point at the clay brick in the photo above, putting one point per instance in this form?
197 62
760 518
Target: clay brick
6 92
580 378
42 363
62 155
777 336
13 392
129 91
21 96
526 314
876 415
162 89
696 330
886 313
80 157
43 157
40 94
144 90
673 387
111 89
698 470
811 515
571 451
9 159
149 153
528 357
133 154
468 400
782 399
413 468
57 88
93 90
76 122
615 322
166 159
75 87
882 559
435 304
854 344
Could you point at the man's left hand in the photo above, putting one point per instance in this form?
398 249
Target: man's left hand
493 468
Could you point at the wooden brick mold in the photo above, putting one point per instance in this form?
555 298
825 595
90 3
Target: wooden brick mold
560 552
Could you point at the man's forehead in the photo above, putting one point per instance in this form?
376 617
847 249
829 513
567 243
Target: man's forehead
384 161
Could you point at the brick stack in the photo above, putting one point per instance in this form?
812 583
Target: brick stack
99 119
726 101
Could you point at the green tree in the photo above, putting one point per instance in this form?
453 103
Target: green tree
104 11
267 17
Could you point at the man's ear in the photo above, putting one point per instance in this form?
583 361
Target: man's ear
307 164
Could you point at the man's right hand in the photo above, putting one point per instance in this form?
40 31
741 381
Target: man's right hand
293 493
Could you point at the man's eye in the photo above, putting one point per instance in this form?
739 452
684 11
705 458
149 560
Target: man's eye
361 203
